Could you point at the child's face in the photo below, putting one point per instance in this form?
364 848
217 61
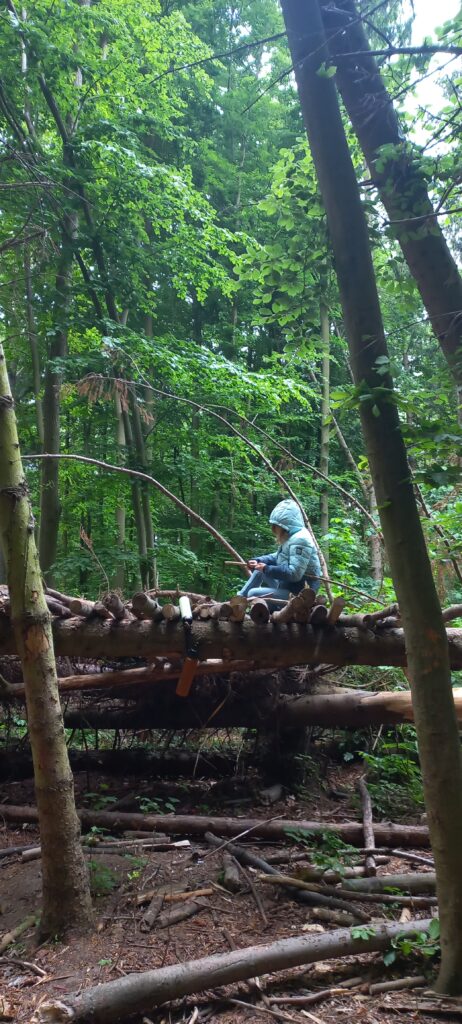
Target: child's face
278 533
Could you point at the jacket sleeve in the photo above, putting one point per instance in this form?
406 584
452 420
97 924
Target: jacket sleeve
302 558
266 559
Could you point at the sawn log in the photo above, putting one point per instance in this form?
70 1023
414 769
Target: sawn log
386 833
262 646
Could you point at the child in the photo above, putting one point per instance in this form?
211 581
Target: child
295 562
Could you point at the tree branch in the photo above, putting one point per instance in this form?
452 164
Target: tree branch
151 480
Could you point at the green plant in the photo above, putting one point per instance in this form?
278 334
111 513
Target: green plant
425 943
394 779
327 851
102 879
148 806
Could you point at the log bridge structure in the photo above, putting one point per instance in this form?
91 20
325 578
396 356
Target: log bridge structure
233 664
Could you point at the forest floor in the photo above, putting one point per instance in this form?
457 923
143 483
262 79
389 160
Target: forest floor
120 945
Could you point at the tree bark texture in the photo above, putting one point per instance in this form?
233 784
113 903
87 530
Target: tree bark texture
255 706
325 427
259 646
386 833
428 664
66 894
399 179
50 505
139 993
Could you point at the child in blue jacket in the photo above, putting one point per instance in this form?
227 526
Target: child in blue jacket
295 562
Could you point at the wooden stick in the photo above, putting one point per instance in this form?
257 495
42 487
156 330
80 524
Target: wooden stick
14 934
398 984
367 826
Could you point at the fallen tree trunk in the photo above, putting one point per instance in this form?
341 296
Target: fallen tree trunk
260 646
414 881
137 761
386 833
139 993
257 705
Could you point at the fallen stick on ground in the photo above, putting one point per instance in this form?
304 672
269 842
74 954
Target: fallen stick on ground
276 830
314 898
139 993
346 894
398 984
14 934
368 826
414 881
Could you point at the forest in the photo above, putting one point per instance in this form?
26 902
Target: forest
230 277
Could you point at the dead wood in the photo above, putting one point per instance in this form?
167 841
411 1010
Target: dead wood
347 892
342 918
414 881
397 984
14 934
137 993
313 898
414 836
265 646
145 607
114 604
335 610
371 618
231 877
369 840
413 857
177 914
259 611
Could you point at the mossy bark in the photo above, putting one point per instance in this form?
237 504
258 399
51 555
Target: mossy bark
66 893
427 650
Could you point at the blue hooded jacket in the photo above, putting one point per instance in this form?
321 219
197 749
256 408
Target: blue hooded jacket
296 561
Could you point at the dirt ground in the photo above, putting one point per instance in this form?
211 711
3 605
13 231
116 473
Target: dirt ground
121 944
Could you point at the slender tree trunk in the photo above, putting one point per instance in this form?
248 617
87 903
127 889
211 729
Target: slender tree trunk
119 576
50 505
137 503
399 179
325 427
375 544
66 894
33 344
143 464
426 644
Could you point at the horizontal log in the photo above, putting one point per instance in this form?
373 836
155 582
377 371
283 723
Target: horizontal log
266 646
386 833
256 707
138 993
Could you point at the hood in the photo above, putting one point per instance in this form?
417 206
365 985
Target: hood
287 514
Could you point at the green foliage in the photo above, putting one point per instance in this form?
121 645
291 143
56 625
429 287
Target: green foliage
424 944
327 851
102 879
394 779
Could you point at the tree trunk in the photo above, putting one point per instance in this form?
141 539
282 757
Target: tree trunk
259 646
386 833
119 576
399 179
376 546
428 663
66 894
136 993
50 505
325 427
33 344
142 460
